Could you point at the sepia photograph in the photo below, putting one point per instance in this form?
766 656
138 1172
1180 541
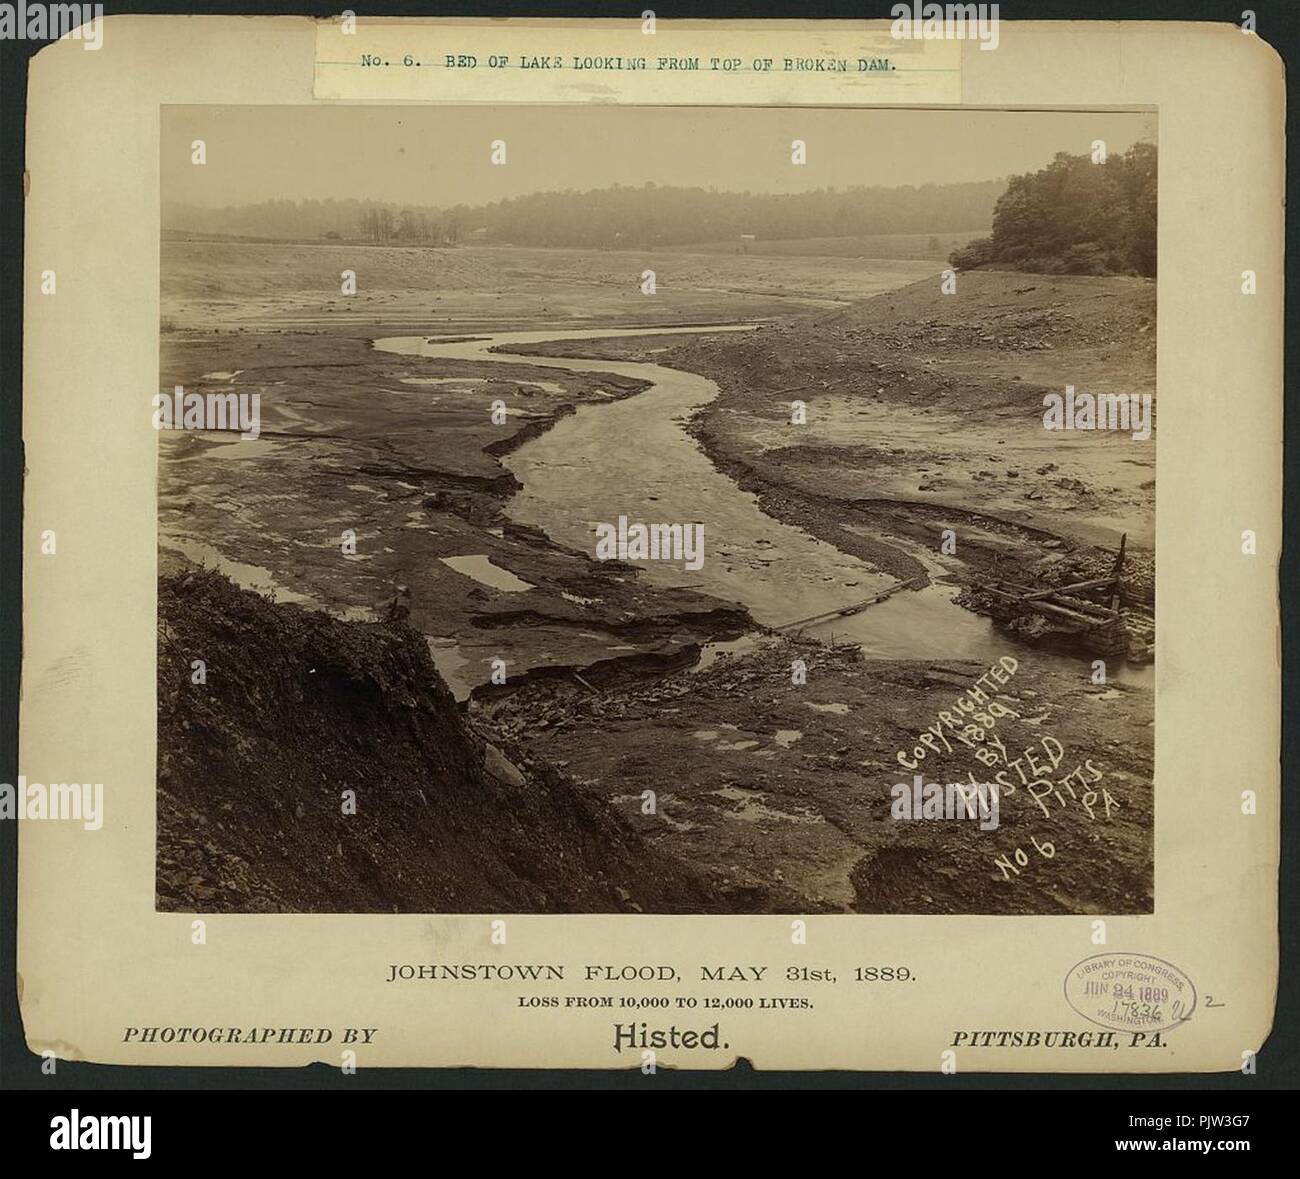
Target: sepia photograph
656 510
622 553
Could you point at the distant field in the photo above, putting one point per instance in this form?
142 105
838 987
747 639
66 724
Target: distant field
925 246
210 283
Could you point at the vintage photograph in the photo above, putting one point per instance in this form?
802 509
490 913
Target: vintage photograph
656 510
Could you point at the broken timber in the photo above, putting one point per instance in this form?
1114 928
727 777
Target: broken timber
1102 627
854 607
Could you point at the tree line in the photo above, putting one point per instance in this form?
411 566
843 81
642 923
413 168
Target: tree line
652 215
1079 215
383 224
613 217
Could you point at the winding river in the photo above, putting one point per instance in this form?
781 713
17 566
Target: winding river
633 457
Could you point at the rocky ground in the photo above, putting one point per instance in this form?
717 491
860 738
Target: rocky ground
781 791
741 787
323 766
924 414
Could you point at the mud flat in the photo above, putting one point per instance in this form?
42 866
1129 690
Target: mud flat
402 453
630 678
634 457
257 286
781 792
924 413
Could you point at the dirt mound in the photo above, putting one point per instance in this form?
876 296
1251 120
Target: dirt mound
1000 310
298 714
997 342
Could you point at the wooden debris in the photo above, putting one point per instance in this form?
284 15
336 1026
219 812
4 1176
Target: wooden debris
852 608
1103 627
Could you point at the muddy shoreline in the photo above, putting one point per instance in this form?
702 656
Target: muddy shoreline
611 675
1018 507
417 477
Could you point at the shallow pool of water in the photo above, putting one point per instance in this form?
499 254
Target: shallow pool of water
480 568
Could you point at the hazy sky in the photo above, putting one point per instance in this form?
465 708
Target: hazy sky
440 155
